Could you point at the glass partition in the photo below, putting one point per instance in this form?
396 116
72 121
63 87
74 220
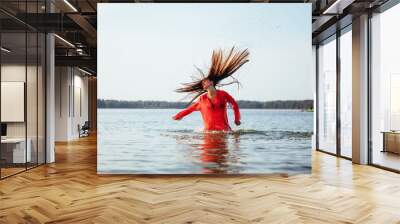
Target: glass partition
35 62
327 95
14 153
22 77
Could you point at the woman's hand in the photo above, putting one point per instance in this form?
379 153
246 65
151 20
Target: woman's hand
176 118
237 123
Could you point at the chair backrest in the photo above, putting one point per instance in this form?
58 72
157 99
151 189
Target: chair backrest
86 124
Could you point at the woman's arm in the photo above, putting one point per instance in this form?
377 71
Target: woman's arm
235 107
186 111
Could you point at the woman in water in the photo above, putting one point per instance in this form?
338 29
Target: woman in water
212 103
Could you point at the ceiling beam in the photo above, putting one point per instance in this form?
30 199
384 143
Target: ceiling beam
86 27
81 61
338 6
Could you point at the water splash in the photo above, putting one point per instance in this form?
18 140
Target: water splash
275 134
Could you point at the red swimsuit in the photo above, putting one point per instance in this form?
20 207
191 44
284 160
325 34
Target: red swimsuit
213 111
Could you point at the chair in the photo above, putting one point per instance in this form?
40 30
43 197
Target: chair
84 130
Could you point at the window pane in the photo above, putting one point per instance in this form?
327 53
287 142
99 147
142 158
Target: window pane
346 94
327 96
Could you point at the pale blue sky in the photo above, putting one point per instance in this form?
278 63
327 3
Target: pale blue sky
146 50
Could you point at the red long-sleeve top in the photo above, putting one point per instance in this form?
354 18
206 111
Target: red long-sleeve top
213 111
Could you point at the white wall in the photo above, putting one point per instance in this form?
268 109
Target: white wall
71 102
62 81
12 73
81 103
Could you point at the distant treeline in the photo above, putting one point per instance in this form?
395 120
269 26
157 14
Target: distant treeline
245 104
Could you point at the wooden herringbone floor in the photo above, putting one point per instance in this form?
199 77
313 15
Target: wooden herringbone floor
69 191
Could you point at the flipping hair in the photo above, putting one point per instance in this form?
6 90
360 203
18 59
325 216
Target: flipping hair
223 65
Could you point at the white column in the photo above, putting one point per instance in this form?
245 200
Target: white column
50 99
50 92
360 90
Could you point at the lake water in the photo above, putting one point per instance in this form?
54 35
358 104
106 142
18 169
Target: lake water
148 141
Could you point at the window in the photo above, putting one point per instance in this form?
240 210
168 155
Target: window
346 93
327 95
385 89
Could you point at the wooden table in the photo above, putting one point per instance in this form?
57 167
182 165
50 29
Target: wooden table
391 141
